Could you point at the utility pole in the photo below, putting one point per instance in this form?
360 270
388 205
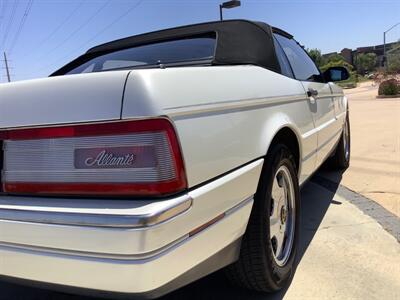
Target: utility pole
7 69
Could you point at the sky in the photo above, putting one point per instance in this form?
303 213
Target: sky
40 36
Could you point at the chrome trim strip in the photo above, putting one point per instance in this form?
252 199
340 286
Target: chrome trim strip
94 255
319 128
339 116
227 106
337 95
117 216
120 257
322 145
329 96
239 205
231 105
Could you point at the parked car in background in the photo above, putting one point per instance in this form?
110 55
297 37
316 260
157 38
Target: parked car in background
151 161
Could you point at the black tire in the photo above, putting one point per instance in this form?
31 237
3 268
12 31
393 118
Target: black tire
341 159
256 268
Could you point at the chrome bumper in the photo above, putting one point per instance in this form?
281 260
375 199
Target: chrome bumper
123 246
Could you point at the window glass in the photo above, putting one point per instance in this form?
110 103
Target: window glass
183 50
283 61
89 68
302 65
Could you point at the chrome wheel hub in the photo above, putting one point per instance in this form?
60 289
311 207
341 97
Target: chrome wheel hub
282 216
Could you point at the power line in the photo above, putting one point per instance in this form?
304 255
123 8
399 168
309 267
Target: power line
21 24
127 12
73 12
2 7
112 23
77 30
11 21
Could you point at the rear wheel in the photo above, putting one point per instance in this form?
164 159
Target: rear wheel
269 246
341 159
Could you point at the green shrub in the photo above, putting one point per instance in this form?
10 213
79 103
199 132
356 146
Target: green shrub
347 85
389 87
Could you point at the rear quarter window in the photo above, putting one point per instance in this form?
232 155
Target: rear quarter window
283 60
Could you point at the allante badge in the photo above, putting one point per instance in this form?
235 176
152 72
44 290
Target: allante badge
115 158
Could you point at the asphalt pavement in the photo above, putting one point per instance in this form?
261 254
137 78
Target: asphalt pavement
349 250
375 147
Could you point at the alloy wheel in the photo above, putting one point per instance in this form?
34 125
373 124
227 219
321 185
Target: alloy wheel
282 216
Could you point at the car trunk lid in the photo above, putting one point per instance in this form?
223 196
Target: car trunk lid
63 99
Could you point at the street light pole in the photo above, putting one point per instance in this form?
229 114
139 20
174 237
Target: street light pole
384 46
227 5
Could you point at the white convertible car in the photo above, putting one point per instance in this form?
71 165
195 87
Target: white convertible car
151 161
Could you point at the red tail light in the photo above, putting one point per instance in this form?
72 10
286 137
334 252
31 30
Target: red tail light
127 158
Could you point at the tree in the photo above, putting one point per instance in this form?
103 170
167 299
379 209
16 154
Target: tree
316 56
336 62
365 62
335 58
393 59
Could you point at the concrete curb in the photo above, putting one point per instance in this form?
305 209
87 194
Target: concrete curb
388 96
389 221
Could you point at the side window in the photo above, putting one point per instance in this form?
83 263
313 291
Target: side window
303 67
283 61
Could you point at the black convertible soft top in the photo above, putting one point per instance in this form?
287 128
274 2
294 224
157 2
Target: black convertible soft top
238 42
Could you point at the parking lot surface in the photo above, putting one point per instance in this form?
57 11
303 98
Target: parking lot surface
344 254
375 147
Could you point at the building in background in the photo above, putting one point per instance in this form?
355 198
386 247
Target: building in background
350 56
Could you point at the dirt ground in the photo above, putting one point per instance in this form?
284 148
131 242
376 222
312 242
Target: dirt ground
375 147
